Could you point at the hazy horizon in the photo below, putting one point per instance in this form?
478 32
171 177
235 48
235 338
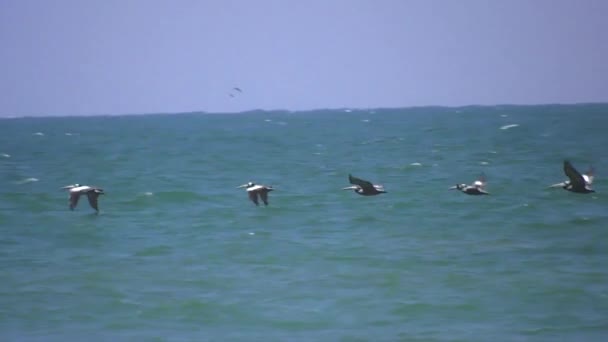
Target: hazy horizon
66 57
344 109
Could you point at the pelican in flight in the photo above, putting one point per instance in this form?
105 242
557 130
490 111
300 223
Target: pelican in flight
477 188
576 182
257 190
363 187
92 193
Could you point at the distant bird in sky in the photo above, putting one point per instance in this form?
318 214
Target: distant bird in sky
477 188
255 191
363 187
92 192
237 89
580 183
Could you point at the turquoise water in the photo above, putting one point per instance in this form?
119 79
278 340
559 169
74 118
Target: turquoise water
177 253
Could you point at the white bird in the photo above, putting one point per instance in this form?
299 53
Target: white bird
257 190
477 188
92 192
363 187
577 182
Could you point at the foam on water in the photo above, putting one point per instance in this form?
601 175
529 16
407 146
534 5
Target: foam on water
509 126
27 180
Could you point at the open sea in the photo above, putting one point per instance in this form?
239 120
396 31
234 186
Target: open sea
178 253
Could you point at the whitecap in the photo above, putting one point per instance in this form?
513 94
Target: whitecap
365 120
267 120
28 180
5 155
503 115
416 164
509 126
38 133
347 110
484 163
148 193
251 233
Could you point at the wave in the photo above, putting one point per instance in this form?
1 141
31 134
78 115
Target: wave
27 180
508 126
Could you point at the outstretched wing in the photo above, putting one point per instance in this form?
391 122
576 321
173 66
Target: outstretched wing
253 196
576 179
264 196
481 181
92 196
589 175
74 197
365 185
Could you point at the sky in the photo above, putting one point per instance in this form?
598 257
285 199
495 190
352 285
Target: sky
86 57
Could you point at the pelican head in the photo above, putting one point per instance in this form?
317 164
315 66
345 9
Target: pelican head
248 185
67 187
560 185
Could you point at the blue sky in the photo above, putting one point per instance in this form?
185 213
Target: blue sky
71 57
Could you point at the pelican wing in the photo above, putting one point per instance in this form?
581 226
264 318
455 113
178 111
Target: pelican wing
576 179
481 181
74 197
264 196
253 196
589 175
365 185
92 196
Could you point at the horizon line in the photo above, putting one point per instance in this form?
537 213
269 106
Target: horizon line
344 109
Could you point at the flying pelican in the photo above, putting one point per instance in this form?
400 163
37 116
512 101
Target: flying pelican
477 188
92 193
577 182
238 89
363 187
254 191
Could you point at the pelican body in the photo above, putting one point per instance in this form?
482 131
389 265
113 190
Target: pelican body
363 187
577 182
92 192
255 191
477 188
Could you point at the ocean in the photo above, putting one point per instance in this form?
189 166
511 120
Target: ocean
178 253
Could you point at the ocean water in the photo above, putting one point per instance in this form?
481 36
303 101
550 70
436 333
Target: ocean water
178 253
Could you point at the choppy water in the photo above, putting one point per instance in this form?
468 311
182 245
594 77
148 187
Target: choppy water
179 254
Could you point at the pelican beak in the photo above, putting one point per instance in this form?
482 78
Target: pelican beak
241 186
350 188
453 187
558 185
68 187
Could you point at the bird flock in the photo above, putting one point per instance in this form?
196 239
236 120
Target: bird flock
576 182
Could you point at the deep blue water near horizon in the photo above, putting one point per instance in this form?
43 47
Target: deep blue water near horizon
179 254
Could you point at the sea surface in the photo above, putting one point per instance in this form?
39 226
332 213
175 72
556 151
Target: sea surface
178 253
